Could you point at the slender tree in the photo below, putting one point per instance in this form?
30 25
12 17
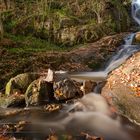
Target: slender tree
6 3
98 7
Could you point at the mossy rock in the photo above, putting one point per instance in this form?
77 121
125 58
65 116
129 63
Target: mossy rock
15 100
19 83
38 92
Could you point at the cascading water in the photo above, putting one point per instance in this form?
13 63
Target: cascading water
117 59
126 51
90 113
136 10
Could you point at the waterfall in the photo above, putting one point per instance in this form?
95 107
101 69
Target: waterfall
136 10
125 51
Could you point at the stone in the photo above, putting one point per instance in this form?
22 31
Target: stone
55 76
39 92
137 37
52 107
88 86
66 89
14 100
122 89
50 76
19 83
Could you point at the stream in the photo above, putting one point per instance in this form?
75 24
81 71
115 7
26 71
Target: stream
90 114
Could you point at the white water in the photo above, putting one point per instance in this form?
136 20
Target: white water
136 10
90 114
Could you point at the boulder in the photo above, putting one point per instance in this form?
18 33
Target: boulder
137 38
66 89
15 100
39 92
88 86
122 89
19 83
55 76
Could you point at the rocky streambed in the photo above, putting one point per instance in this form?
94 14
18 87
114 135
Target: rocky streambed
53 105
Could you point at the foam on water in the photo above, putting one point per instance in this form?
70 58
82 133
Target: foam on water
90 114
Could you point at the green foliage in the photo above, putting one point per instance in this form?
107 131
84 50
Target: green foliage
52 20
31 44
122 18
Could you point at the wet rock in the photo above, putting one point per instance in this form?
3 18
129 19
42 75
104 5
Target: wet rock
50 76
66 89
7 138
88 86
39 92
99 86
137 38
60 75
55 76
15 100
122 89
20 83
11 112
52 107
14 128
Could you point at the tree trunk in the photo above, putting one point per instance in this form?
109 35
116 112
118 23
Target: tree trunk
6 4
99 19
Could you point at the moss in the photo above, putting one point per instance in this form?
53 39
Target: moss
20 83
8 87
3 101
31 44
